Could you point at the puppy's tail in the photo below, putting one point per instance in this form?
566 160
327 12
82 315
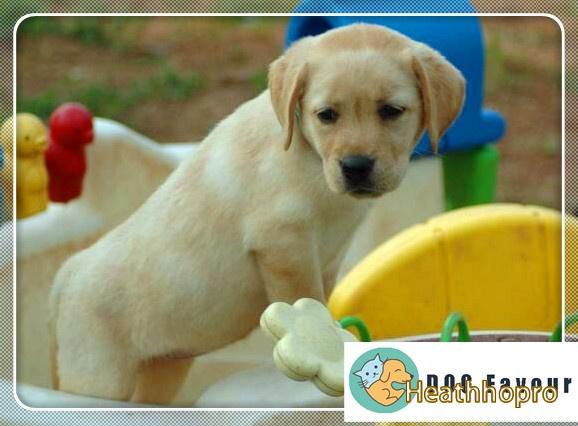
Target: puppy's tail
53 348
53 307
52 339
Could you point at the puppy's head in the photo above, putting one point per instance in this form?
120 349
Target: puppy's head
361 96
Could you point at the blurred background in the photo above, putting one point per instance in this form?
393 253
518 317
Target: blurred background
174 78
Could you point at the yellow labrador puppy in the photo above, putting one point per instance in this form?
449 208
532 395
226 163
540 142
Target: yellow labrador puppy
260 213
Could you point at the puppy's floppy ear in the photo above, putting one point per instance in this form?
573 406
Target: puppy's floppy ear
442 89
287 79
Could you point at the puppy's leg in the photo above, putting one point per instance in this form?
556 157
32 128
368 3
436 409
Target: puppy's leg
104 373
159 380
330 274
290 267
93 361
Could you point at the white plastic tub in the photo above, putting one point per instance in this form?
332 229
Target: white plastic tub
123 169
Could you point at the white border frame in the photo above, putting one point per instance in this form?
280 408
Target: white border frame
30 15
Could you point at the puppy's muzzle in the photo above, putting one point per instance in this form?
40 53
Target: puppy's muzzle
357 170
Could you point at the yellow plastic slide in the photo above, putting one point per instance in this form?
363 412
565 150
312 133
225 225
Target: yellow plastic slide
498 264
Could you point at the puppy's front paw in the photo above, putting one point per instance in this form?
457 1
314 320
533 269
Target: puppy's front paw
310 343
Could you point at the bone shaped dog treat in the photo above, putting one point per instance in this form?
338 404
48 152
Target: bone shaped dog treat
309 343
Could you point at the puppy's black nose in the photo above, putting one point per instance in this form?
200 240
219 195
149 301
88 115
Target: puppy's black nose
357 168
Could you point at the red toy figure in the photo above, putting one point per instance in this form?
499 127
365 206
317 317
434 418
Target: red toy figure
70 130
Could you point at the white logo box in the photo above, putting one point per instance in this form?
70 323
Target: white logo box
515 361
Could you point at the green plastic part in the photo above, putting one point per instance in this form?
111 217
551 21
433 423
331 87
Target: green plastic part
359 325
470 177
453 320
556 335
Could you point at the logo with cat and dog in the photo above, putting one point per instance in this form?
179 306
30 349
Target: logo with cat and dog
378 378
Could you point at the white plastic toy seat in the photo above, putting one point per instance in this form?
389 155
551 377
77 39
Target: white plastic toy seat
269 389
124 168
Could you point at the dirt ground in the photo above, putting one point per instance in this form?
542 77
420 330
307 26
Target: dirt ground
117 68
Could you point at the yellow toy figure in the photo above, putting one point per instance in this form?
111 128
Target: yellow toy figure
6 166
31 174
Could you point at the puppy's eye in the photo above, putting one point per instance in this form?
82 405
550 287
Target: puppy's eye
389 112
328 115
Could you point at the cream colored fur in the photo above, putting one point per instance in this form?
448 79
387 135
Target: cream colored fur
258 214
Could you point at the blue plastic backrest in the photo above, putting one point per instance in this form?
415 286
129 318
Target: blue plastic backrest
458 38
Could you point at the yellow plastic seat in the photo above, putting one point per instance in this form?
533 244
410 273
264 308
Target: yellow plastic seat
499 264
